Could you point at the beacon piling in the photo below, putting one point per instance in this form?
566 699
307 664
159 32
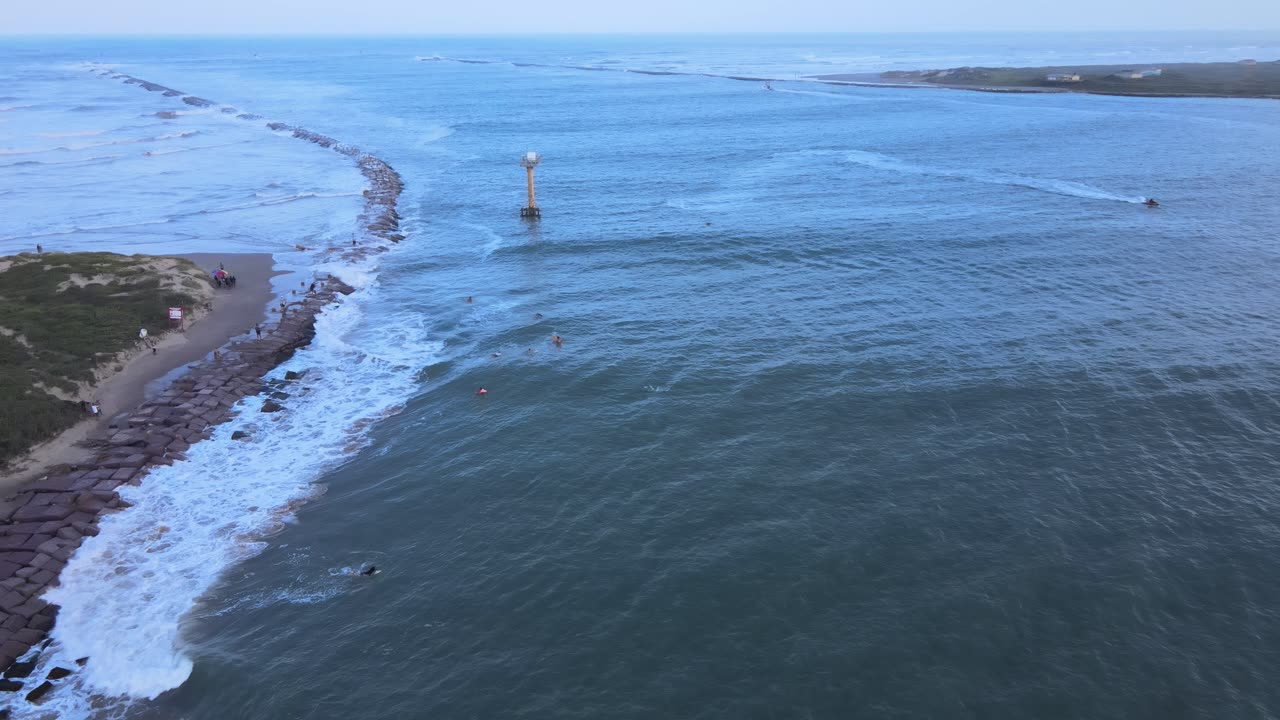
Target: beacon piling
529 162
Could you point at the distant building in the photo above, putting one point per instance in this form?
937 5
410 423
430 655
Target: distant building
1063 77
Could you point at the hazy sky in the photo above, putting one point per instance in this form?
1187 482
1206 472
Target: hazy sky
541 16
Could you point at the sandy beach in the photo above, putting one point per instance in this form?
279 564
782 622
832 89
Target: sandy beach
234 313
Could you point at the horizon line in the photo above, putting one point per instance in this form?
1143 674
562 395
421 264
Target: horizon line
640 33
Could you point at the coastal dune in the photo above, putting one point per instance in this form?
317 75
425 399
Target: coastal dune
232 313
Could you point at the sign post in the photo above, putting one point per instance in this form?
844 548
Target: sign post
175 318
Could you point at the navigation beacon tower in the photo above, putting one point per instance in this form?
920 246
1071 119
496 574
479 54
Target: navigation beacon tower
529 162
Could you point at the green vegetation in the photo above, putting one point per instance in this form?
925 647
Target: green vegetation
64 316
1234 79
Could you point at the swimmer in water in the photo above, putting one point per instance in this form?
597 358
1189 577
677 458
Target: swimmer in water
496 355
370 571
530 351
557 340
537 316
468 298
482 392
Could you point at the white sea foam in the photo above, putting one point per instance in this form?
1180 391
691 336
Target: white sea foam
436 133
1049 185
151 564
70 133
847 97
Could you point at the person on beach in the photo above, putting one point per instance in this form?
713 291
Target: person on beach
39 249
257 329
94 409
312 288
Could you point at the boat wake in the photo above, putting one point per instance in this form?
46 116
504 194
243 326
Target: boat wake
1058 187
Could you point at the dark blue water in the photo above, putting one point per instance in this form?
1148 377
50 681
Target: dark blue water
872 403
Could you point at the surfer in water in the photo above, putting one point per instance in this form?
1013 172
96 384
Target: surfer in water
370 571
1151 203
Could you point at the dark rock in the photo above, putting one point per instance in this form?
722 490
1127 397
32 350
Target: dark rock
11 685
57 673
40 691
40 622
42 577
19 557
269 406
30 608
292 375
82 661
20 669
13 542
85 529
14 649
238 434
29 636
31 513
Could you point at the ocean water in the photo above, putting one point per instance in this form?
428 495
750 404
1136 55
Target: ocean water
871 402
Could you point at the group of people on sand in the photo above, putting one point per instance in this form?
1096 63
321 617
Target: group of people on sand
555 340
222 278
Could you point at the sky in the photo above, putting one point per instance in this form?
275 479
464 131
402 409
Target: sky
432 17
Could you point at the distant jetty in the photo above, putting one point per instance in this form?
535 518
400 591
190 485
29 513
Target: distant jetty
1243 79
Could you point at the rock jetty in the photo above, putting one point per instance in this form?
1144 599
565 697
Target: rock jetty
42 524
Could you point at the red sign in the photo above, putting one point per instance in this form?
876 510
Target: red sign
175 313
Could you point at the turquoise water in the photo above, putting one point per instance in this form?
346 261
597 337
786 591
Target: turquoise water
872 403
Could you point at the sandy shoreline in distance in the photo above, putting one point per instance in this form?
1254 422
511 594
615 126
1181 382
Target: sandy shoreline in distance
234 313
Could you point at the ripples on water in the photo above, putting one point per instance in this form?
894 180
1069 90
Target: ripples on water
897 407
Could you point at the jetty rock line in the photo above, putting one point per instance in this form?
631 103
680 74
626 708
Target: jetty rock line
379 217
44 522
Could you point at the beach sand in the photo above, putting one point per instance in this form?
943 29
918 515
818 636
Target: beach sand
234 313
